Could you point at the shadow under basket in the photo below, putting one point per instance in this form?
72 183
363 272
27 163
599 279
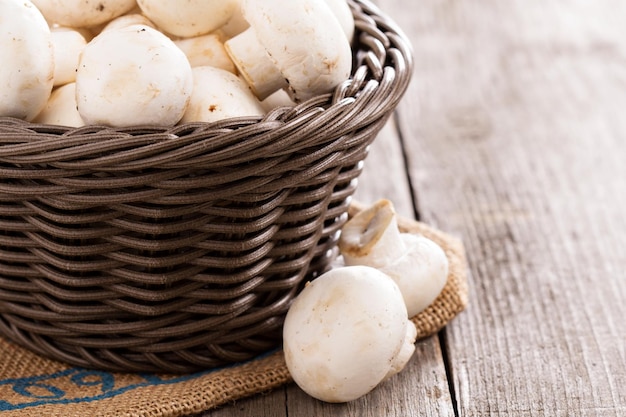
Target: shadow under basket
152 249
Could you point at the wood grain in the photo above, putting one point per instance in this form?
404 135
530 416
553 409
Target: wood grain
385 174
519 147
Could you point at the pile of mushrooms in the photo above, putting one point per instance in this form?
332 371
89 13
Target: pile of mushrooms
350 329
130 62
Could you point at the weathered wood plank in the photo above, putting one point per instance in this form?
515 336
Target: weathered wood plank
520 149
270 404
384 173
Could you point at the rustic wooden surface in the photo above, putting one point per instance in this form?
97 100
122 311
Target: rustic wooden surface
512 138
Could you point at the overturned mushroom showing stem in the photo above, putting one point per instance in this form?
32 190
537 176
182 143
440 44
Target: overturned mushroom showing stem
417 264
346 332
27 57
298 45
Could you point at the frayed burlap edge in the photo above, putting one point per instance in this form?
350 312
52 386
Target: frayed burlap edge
34 386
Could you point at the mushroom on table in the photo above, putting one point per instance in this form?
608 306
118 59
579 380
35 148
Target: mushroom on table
417 264
346 332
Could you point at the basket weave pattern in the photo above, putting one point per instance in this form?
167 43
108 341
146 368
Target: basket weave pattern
178 249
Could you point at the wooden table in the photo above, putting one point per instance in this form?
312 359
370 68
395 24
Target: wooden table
512 137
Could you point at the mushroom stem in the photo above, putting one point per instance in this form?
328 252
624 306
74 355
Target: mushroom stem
406 351
372 237
254 64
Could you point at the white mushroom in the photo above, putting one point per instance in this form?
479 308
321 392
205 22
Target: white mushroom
207 50
191 18
27 60
344 15
68 45
128 20
82 13
236 24
132 76
417 264
421 272
346 332
298 45
219 94
279 98
372 237
61 108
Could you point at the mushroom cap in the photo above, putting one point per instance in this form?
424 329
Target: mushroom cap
82 13
191 18
342 12
131 76
68 45
421 272
207 50
128 20
27 57
219 94
279 98
343 333
61 108
304 40
236 24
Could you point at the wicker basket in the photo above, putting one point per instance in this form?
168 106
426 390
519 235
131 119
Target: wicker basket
180 249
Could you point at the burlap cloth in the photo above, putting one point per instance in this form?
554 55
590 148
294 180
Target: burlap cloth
31 385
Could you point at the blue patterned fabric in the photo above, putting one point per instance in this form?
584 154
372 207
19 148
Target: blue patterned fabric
74 385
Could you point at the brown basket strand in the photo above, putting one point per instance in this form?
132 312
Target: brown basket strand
178 249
